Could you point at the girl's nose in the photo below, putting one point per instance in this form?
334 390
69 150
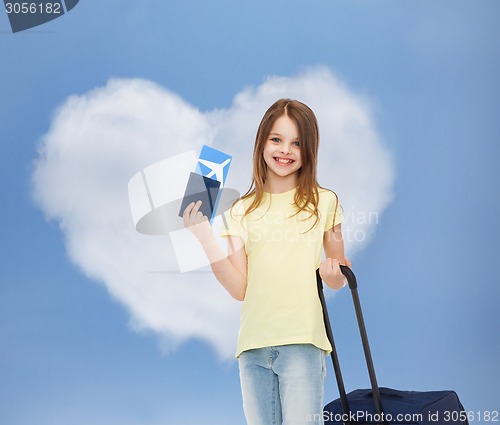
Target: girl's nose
285 150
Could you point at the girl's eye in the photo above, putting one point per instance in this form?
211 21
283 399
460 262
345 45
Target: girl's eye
297 143
276 139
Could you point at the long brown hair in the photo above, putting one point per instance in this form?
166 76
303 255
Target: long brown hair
306 195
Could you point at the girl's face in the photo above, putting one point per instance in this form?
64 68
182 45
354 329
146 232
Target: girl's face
282 150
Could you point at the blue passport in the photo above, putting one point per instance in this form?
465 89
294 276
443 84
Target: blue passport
204 189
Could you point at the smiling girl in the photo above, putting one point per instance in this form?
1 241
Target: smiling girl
277 233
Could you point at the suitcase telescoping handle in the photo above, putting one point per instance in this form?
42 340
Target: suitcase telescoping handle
353 286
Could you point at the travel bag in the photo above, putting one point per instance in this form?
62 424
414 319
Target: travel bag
383 405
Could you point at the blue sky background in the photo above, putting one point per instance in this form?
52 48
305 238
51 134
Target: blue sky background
430 285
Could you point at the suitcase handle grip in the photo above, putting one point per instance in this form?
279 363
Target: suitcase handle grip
351 279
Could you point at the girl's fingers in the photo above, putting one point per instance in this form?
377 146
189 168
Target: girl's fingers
187 212
328 264
192 214
331 265
196 208
196 213
334 264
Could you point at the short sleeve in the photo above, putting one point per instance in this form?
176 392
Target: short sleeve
334 213
234 221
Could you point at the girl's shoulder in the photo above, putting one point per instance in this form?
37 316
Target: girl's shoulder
327 195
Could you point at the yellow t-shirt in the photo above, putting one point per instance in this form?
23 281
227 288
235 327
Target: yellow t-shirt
281 303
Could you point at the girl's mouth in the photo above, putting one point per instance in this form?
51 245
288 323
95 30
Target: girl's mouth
283 161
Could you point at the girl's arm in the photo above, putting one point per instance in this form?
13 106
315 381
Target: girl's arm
329 269
230 270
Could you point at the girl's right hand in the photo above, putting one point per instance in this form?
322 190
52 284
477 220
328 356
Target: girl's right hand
196 222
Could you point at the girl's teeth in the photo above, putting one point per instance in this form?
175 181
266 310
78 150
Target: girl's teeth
284 161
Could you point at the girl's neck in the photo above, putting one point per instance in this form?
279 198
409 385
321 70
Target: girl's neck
280 185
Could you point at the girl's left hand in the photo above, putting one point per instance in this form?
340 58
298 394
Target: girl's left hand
329 270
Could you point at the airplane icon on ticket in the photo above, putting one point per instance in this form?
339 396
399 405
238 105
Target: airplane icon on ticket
217 169
213 164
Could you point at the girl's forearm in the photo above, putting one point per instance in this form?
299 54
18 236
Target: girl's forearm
232 279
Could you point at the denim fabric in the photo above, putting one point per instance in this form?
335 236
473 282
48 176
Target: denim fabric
283 385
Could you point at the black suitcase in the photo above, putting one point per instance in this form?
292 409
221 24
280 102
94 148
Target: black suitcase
383 405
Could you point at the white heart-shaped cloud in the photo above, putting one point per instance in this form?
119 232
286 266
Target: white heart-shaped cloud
99 140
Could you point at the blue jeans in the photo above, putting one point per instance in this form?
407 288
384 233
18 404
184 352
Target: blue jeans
283 385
